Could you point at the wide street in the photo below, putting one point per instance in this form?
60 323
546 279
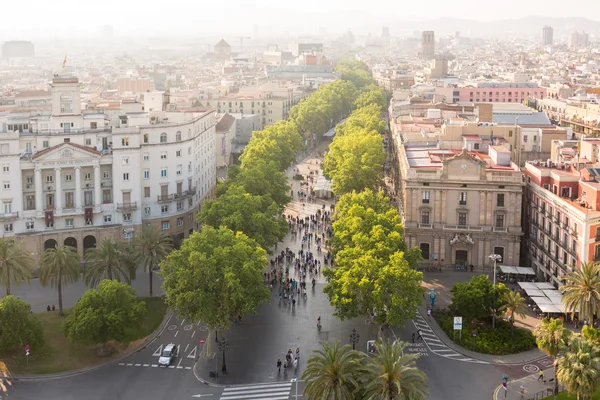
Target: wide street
254 347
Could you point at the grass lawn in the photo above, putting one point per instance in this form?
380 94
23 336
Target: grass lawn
569 396
58 354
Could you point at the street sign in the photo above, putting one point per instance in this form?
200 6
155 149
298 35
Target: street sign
27 348
457 323
27 352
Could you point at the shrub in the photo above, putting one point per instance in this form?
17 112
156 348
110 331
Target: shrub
501 340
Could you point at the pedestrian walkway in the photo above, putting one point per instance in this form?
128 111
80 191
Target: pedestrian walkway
530 387
435 345
272 391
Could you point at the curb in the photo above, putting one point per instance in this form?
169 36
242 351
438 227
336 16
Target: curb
67 374
197 375
477 356
495 394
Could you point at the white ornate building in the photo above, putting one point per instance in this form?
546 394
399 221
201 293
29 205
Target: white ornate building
74 178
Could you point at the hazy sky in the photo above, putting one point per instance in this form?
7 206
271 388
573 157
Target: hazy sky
30 19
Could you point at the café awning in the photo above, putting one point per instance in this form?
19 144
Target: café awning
527 285
535 292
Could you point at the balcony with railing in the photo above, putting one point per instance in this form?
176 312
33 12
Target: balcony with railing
11 216
166 198
463 228
132 205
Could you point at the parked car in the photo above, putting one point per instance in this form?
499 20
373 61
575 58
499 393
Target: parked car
168 355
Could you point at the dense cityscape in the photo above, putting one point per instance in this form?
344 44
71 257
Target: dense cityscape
391 211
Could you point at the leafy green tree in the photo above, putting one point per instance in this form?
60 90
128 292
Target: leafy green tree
391 374
361 284
578 368
592 334
18 328
149 248
216 275
333 373
359 77
354 162
59 267
475 299
351 64
364 119
311 116
16 264
262 178
109 260
278 143
371 94
258 217
582 291
104 314
551 337
514 304
368 221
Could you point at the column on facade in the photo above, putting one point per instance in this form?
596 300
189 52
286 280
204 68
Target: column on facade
443 219
511 250
78 188
58 193
39 191
482 210
481 254
437 207
97 186
488 209
436 248
442 257
415 206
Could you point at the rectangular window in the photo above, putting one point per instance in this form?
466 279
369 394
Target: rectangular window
87 176
147 210
106 196
125 160
179 221
6 168
127 217
163 172
68 177
500 200
476 146
126 176
178 153
146 174
88 142
29 225
164 209
146 157
163 155
499 221
178 170
180 206
125 141
69 222
6 185
462 219
49 179
8 227
106 175
45 144
147 191
462 199
425 195
107 219
425 217
165 225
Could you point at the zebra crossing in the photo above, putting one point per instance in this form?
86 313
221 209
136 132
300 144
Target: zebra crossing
270 391
436 346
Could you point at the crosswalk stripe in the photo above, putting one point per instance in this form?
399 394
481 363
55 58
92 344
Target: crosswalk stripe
272 385
255 391
444 350
262 396
437 344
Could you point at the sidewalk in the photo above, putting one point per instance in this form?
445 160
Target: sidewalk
534 388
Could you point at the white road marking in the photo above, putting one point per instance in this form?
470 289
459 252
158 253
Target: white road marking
176 333
182 322
192 353
179 363
158 351
178 367
138 365
146 365
186 347
193 333
121 363
154 365
280 396
171 366
283 385
129 365
188 367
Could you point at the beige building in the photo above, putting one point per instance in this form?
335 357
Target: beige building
461 206
134 85
390 80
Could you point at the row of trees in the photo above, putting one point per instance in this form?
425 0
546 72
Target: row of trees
60 266
339 372
375 271
356 156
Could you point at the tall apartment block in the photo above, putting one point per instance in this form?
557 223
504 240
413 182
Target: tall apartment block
547 35
428 45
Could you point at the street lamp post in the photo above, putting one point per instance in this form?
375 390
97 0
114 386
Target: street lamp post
295 380
354 336
495 258
223 346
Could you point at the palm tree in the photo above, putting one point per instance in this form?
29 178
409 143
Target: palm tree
59 266
109 260
578 368
16 264
150 248
551 337
513 304
391 375
332 372
582 292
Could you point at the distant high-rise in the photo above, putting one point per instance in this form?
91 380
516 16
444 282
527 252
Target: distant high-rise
578 39
547 35
428 45
17 49
385 32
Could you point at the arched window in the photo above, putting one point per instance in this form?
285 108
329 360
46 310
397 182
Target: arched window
145 138
163 137
178 136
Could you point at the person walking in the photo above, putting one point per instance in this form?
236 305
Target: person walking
541 375
279 366
413 336
419 337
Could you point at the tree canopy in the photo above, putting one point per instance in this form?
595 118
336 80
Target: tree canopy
475 299
16 264
216 275
371 94
18 327
59 267
104 313
278 143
